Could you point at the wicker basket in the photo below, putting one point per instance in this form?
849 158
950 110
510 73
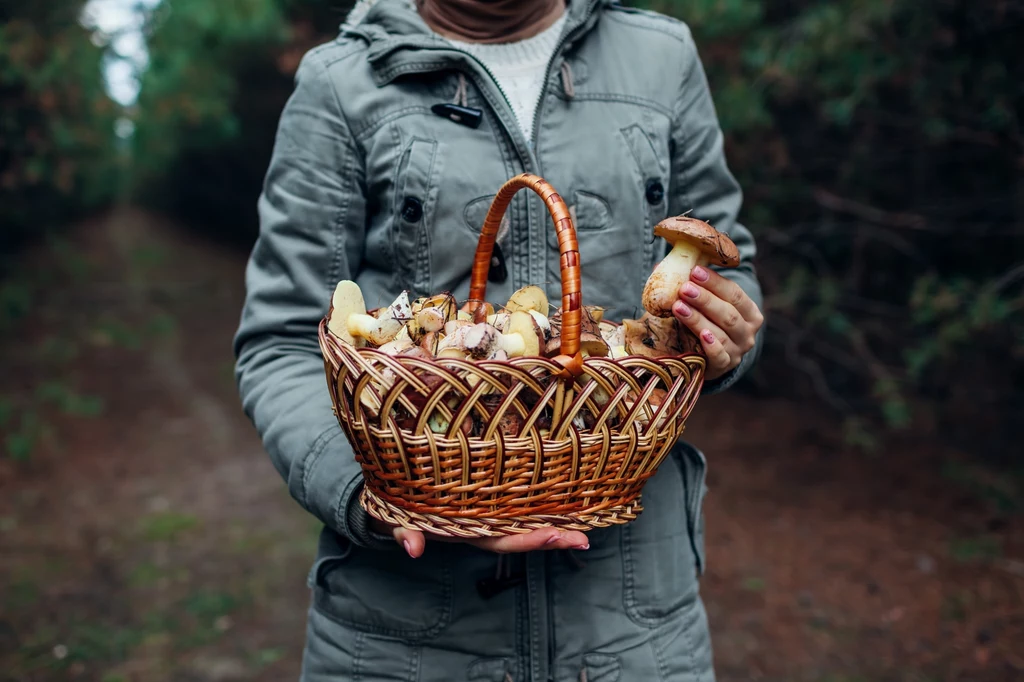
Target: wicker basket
587 435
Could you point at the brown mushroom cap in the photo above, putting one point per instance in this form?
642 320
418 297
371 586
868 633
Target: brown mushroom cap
716 246
591 340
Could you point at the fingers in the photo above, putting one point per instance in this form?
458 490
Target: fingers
730 292
546 538
412 540
718 312
722 354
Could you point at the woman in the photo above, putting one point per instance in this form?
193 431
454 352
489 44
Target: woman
397 136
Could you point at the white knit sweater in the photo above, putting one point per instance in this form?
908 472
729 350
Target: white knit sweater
518 67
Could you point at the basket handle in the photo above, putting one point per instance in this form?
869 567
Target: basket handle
569 261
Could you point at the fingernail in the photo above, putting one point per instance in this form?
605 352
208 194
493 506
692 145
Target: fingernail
582 547
708 336
408 547
699 274
683 309
691 291
553 539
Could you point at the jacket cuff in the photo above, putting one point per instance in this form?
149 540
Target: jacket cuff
726 381
357 520
331 483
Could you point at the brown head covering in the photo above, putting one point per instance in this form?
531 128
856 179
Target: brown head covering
490 21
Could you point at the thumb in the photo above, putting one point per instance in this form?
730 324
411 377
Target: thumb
412 540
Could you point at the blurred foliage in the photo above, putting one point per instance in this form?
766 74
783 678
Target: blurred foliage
218 77
881 148
58 155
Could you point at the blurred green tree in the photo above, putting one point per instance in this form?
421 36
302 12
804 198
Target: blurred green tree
58 151
218 76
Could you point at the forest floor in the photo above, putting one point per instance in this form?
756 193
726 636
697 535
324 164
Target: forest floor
144 535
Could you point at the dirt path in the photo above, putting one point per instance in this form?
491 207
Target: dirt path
145 536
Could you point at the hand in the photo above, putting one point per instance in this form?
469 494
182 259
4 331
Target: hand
415 542
721 315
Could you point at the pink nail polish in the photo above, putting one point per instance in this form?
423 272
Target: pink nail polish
708 336
408 547
691 291
582 547
684 309
699 274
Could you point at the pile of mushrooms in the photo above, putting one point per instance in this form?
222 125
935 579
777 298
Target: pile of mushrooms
436 327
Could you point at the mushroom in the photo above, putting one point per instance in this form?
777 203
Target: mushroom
694 242
612 333
657 337
385 325
481 341
431 341
377 331
596 312
346 301
397 346
499 321
452 325
654 402
477 311
543 324
528 298
523 324
431 314
591 342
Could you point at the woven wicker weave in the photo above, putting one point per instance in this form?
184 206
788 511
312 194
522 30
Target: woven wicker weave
529 442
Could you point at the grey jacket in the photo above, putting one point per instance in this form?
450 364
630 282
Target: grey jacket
367 183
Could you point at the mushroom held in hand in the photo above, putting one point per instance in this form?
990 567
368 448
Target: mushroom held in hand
694 242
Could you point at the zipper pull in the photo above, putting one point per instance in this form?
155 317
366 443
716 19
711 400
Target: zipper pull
467 116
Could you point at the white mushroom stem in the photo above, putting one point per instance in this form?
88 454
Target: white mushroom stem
376 331
662 289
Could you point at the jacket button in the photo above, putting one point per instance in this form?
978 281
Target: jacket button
412 210
655 192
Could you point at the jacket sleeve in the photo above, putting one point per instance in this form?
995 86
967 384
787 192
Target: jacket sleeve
311 235
702 184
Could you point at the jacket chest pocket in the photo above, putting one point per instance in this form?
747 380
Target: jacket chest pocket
652 174
415 201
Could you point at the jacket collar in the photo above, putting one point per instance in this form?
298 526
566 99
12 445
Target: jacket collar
401 42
